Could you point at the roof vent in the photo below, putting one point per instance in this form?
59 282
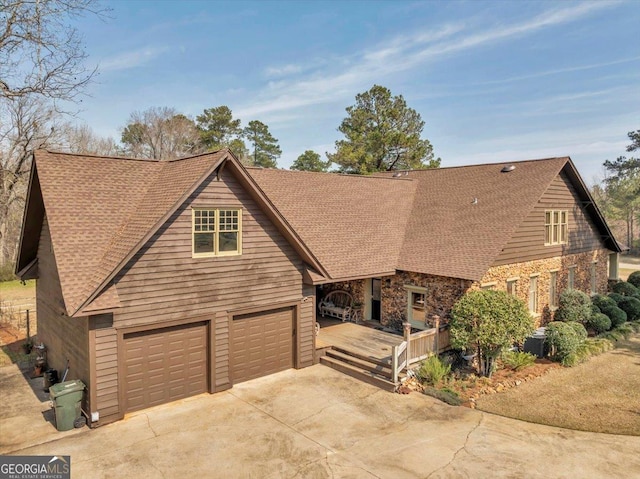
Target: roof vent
508 168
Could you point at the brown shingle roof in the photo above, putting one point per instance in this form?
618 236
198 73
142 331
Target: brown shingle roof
99 209
354 225
462 217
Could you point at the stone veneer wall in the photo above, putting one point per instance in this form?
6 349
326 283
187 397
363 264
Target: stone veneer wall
442 293
543 268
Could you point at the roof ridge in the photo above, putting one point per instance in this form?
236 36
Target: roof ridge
103 157
334 173
553 158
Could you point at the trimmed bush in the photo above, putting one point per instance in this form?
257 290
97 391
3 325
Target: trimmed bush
616 315
616 297
599 322
603 302
579 329
631 306
625 289
573 305
432 370
634 279
563 339
517 360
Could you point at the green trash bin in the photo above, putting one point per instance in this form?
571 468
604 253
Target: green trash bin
67 402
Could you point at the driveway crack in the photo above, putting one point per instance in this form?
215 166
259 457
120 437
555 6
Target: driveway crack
462 448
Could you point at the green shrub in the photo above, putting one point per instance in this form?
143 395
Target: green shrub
590 347
517 360
487 322
445 395
616 297
634 279
573 305
563 339
432 370
631 306
6 273
599 322
579 329
625 289
616 315
622 331
603 302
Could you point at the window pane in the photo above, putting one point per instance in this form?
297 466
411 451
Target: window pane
417 307
547 217
228 242
555 234
547 234
563 233
228 220
202 243
556 218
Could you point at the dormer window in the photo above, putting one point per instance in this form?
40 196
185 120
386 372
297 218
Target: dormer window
556 230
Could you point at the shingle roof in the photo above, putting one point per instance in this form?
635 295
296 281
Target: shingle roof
99 209
448 221
463 216
354 225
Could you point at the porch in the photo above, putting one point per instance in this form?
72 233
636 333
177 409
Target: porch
378 357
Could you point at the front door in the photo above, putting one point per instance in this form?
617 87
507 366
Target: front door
376 298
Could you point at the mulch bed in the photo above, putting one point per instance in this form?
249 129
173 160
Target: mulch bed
470 387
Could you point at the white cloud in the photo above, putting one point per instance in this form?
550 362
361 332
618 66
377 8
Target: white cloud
132 59
283 70
393 56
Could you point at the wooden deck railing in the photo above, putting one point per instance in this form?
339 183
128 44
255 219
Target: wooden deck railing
418 346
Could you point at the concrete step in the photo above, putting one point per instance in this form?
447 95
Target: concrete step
358 373
373 367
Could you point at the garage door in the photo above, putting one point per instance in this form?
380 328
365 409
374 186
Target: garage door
163 365
261 344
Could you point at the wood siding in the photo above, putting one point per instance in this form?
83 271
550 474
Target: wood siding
164 283
104 339
65 338
307 334
527 244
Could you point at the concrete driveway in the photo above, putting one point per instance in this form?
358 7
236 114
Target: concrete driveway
318 423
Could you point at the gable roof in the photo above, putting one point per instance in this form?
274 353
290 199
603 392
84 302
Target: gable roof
448 221
101 211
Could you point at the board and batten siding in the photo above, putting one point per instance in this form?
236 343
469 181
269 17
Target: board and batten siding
65 338
527 243
163 283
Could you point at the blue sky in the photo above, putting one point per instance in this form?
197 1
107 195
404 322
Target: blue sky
494 81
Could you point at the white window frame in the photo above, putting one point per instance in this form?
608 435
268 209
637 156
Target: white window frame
533 294
216 232
514 289
571 277
556 227
490 285
553 290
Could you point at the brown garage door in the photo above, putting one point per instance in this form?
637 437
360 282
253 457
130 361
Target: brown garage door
261 344
163 365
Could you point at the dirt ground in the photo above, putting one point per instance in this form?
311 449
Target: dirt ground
601 395
15 299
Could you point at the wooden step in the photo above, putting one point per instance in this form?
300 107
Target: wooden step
358 373
370 366
363 357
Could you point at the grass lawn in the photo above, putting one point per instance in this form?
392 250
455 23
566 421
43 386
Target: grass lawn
15 290
601 395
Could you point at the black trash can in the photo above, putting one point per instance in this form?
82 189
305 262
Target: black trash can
50 378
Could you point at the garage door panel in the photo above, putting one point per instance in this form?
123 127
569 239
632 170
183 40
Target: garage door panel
262 344
164 365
